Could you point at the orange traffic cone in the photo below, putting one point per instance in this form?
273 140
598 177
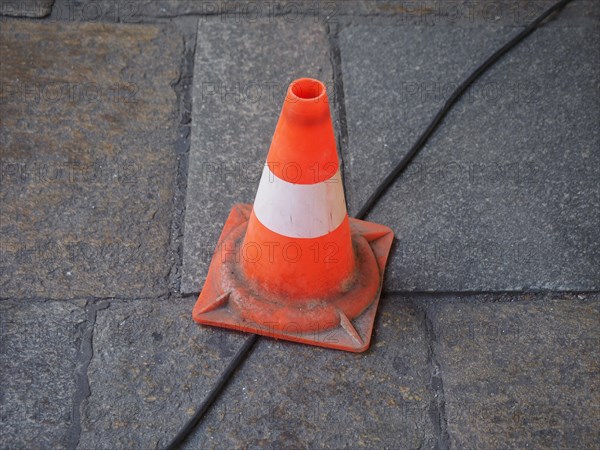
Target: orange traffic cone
295 266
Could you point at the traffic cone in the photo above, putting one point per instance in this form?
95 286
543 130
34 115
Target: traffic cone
295 266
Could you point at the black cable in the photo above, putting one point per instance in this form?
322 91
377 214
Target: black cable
214 392
381 189
457 94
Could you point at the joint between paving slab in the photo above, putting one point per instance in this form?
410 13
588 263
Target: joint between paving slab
437 408
246 15
183 88
82 382
338 92
85 298
488 296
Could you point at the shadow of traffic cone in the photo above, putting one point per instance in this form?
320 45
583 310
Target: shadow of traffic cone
295 266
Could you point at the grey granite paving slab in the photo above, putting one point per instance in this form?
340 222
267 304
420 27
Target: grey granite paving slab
240 79
521 374
296 396
425 12
26 8
39 344
505 196
151 367
89 121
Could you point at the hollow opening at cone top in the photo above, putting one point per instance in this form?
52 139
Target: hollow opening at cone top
307 89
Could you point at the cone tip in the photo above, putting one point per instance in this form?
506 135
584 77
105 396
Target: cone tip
307 89
307 98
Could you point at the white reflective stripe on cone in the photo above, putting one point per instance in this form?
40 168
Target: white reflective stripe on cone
300 210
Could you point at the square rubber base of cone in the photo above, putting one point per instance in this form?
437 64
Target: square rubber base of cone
212 307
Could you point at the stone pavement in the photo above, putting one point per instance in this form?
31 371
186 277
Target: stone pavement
128 129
